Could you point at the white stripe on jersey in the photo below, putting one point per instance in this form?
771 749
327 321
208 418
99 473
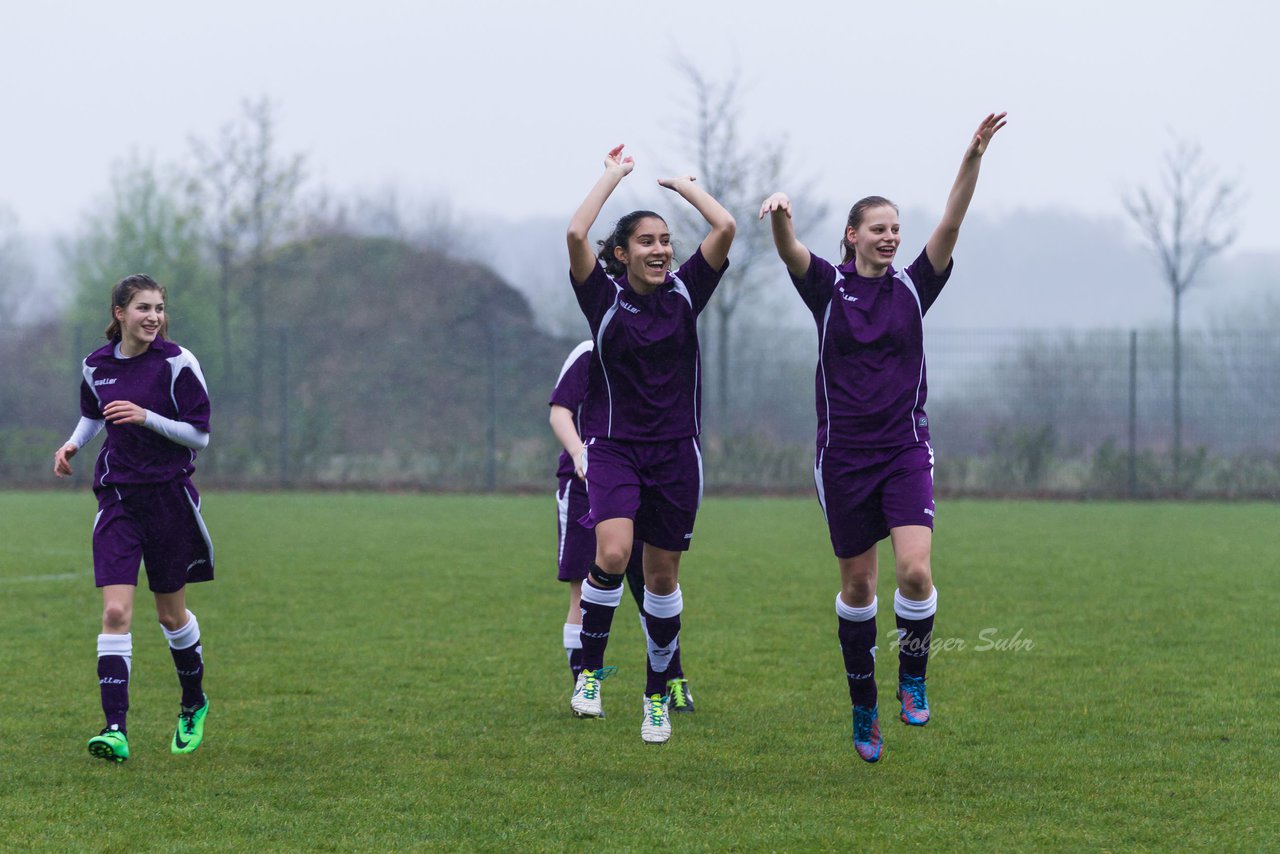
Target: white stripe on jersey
184 359
822 366
604 324
562 511
679 287
573 357
204 532
903 277
88 378
817 481
697 451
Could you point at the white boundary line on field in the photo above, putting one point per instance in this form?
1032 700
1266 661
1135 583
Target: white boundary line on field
61 576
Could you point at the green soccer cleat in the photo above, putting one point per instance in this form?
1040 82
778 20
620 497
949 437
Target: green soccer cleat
190 731
680 694
111 744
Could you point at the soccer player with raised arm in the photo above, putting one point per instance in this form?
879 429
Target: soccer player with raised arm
576 545
641 418
874 467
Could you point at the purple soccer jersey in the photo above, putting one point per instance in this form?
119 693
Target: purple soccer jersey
645 380
570 392
165 379
870 381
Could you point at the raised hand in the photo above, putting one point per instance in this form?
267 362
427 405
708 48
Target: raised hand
982 136
615 160
677 182
776 202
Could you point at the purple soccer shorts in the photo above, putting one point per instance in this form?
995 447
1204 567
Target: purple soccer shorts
157 524
866 492
658 485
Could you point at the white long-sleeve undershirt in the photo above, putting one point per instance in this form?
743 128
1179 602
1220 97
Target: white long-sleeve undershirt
85 431
186 435
180 432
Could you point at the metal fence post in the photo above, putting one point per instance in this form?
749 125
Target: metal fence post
1133 413
283 339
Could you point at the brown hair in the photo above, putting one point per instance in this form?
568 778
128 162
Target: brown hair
122 294
856 215
621 234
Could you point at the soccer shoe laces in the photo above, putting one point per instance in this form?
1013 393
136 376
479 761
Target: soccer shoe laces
591 686
864 721
914 688
676 687
656 704
187 718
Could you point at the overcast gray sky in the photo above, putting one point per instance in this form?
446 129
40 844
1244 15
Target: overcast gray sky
508 107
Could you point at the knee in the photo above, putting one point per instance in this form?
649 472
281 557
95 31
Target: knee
612 557
661 581
915 578
173 622
116 618
859 589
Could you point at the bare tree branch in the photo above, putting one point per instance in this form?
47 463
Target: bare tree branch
1191 222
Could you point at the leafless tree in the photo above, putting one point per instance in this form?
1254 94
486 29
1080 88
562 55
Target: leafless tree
15 268
247 190
1186 221
740 173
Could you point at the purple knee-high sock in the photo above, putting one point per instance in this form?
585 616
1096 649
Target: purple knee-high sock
598 607
188 660
857 632
915 632
662 632
115 653
573 648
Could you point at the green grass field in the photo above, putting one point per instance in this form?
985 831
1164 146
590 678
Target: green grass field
386 673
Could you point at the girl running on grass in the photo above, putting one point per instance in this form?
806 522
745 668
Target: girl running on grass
150 396
874 469
642 461
576 545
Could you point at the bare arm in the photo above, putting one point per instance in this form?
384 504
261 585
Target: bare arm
715 246
562 427
793 253
582 258
943 241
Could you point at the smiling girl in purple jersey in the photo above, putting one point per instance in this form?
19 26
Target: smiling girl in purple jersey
576 544
151 397
641 419
874 469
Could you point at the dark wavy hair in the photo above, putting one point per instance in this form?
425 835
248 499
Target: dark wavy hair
856 215
621 234
122 295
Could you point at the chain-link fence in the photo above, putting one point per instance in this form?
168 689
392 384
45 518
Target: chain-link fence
1011 413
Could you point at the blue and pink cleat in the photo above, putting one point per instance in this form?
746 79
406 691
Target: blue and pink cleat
915 706
866 732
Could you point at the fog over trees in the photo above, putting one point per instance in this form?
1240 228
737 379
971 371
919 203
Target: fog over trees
385 339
